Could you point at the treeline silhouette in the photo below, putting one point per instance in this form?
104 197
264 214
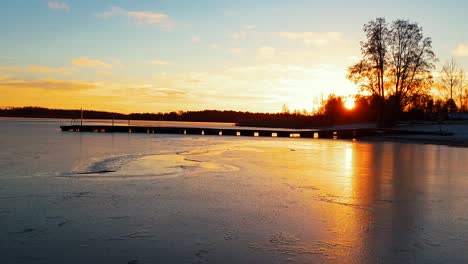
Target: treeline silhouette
238 117
332 112
285 119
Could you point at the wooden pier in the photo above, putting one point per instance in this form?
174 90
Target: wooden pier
331 133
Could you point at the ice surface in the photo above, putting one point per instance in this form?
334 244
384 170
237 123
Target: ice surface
148 166
119 198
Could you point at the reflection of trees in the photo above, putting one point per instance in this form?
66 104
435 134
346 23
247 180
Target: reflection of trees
390 185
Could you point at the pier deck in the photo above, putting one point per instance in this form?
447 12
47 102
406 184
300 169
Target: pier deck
348 133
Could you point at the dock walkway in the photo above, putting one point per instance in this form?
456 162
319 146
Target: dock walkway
343 133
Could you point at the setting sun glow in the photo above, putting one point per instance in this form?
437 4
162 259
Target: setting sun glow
349 103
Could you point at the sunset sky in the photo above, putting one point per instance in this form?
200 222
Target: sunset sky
152 56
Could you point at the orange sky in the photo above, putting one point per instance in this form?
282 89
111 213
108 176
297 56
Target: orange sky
149 56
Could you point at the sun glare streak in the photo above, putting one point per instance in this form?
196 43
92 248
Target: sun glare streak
348 169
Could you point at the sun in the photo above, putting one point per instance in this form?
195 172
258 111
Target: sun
349 103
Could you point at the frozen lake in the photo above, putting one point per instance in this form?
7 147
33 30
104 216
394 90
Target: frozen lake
137 198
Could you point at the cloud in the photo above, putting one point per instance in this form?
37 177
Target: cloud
117 63
461 50
140 17
159 62
11 69
58 6
196 39
314 38
294 85
167 92
87 62
249 27
114 11
243 33
5 77
37 69
238 35
104 73
42 69
148 18
266 52
235 50
49 84
268 72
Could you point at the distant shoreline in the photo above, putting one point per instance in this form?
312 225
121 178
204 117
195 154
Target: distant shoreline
417 140
456 135
284 120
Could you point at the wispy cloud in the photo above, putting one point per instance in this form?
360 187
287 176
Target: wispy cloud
158 62
238 35
249 27
104 73
140 17
58 6
5 77
92 63
48 84
42 69
242 33
11 69
235 50
265 52
113 11
149 18
214 46
196 39
314 38
461 50
168 92
117 63
37 69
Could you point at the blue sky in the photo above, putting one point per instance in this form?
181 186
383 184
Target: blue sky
181 55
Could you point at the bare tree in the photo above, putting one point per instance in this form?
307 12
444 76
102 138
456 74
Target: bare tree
411 61
375 49
449 84
462 91
396 64
449 79
452 85
285 109
369 73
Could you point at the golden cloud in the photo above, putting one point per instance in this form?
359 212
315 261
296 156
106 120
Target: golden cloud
49 84
104 73
42 69
92 63
37 69
266 52
159 62
235 50
243 33
149 18
140 17
314 38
